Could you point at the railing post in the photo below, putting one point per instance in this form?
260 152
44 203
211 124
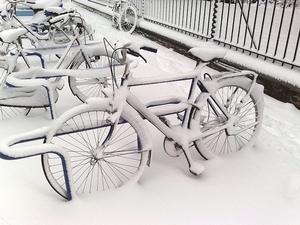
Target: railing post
143 8
214 19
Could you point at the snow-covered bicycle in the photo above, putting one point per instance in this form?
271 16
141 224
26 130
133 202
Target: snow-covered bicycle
27 81
104 143
124 15
9 7
56 28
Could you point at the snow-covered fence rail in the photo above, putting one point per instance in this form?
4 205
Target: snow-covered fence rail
270 29
264 29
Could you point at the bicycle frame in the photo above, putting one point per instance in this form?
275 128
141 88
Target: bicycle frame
119 8
42 40
121 98
175 134
16 79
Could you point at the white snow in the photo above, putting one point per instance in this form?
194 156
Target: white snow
260 185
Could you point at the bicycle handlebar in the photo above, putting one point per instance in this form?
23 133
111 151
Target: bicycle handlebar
149 49
134 49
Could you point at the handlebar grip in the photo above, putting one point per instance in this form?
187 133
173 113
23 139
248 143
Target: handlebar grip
154 50
29 2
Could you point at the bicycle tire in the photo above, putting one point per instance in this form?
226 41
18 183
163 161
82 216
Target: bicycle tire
247 126
85 88
128 19
122 160
7 112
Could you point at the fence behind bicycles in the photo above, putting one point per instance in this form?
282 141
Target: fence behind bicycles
269 29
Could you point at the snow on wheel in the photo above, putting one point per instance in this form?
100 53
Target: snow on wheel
7 112
103 155
85 88
128 19
223 135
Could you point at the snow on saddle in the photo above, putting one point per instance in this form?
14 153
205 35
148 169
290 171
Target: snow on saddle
8 36
207 54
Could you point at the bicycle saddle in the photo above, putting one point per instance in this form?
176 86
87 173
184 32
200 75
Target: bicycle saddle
207 54
43 4
8 36
56 10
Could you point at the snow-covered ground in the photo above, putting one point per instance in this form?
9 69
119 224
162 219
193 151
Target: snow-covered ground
260 185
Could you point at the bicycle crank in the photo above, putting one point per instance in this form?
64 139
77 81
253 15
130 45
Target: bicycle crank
172 148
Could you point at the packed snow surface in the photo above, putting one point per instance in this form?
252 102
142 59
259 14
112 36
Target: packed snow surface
260 185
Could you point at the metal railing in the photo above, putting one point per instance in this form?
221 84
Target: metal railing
269 29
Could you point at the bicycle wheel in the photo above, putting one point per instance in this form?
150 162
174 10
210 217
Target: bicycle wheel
245 124
128 19
7 112
85 88
103 155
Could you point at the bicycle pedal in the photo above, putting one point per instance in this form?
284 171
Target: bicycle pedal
180 117
196 168
165 121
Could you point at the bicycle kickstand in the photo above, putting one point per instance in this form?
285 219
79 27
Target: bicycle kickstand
195 168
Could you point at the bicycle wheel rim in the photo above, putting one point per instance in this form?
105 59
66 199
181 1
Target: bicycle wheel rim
248 119
85 88
128 20
115 167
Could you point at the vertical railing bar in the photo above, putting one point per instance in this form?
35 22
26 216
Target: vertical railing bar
168 11
254 23
187 14
240 21
173 15
165 9
290 29
228 18
196 15
280 27
270 30
180 13
171 12
152 9
233 21
262 25
221 19
154 13
199 23
184 19
191 14
247 24
183 10
161 9
297 46
204 16
175 11
150 6
208 18
157 11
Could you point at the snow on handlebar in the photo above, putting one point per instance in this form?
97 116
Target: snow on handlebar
135 47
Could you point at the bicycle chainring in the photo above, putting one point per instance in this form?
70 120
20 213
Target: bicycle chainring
172 148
